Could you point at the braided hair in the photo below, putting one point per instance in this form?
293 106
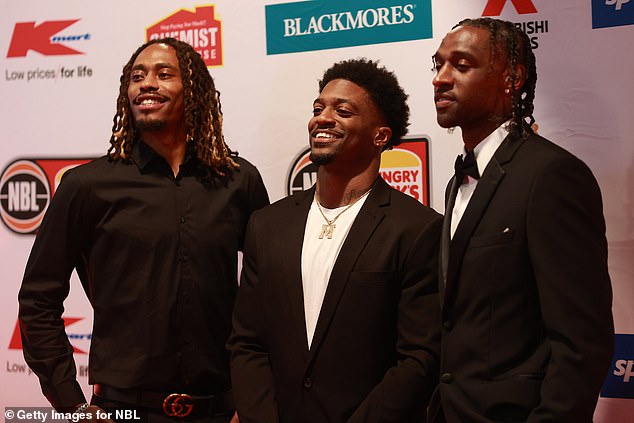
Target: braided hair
516 45
203 113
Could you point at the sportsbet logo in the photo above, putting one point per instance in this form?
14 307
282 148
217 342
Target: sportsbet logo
405 168
26 189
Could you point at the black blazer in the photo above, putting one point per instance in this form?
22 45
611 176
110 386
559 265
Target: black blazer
526 298
374 353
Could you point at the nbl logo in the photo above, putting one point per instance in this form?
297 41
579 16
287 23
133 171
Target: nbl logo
24 196
26 188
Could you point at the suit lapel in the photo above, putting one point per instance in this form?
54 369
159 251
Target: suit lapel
487 185
294 236
445 237
362 229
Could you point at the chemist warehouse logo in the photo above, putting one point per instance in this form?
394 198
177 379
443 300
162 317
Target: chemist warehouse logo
405 168
75 338
198 28
532 28
26 189
619 382
325 24
49 38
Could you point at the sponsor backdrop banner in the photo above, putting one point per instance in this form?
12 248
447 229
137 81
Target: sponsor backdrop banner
60 64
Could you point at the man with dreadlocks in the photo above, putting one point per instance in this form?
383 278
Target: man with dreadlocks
153 230
337 315
527 332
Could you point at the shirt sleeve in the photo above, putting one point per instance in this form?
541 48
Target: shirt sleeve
45 286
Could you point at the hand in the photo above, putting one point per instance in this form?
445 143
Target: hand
235 418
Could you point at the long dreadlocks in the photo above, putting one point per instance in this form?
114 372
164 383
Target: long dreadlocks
516 45
203 114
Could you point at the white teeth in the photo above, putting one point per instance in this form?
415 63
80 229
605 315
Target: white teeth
149 101
323 135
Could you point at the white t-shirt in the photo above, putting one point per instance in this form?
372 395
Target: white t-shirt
319 256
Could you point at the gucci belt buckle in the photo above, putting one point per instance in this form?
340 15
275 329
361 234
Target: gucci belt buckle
178 405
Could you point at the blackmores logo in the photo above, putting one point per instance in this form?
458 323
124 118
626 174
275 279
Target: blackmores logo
405 168
199 28
45 38
26 189
494 7
325 24
16 339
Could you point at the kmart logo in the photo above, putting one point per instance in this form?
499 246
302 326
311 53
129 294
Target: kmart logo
326 24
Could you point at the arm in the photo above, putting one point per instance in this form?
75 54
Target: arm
568 251
251 374
404 392
45 286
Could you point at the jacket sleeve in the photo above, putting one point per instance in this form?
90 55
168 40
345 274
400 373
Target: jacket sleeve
405 390
568 250
253 386
45 286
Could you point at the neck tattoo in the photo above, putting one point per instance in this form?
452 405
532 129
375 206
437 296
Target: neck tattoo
328 229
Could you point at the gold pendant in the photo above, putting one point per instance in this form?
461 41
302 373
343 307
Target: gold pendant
327 230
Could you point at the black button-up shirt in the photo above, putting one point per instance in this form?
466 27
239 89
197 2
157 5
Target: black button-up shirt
157 257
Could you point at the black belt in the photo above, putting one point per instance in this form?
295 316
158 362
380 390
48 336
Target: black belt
173 405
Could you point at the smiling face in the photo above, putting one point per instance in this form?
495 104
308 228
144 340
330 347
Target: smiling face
469 89
155 92
347 127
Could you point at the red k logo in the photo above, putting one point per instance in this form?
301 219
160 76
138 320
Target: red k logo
494 7
41 38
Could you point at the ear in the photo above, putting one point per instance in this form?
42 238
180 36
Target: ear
520 77
382 136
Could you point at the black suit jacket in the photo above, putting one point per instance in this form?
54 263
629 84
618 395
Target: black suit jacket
374 353
526 297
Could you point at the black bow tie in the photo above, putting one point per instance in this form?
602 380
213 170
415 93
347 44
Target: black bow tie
466 167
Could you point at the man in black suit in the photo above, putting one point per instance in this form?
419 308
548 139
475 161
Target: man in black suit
527 333
337 315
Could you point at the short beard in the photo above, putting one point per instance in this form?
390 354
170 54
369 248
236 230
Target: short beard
150 125
321 158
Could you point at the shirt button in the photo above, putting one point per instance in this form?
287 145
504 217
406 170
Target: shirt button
446 378
447 324
182 220
308 383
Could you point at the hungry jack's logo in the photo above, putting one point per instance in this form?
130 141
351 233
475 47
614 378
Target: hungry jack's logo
198 28
44 38
405 168
26 189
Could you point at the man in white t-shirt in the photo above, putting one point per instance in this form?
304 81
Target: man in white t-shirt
337 315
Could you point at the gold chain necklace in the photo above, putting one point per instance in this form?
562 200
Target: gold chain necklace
328 228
